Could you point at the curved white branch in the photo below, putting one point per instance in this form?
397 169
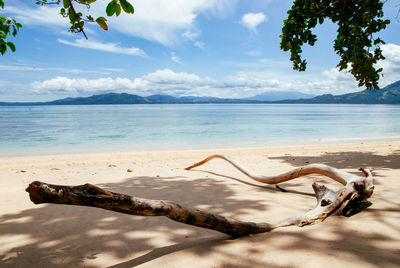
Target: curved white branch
325 170
346 201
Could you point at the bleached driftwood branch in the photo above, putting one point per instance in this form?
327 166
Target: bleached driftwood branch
347 201
344 202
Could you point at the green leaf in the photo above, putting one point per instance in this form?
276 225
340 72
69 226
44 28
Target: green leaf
15 31
111 8
11 46
102 22
127 7
86 2
66 3
3 47
117 9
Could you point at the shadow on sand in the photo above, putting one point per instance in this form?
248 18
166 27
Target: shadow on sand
68 236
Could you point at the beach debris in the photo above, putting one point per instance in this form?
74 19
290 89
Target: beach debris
21 171
129 170
112 165
94 196
346 201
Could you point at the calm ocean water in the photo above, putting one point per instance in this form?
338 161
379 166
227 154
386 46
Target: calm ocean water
36 129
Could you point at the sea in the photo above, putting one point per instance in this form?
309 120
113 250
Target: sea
153 127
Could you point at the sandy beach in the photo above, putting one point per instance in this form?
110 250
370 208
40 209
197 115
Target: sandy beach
70 236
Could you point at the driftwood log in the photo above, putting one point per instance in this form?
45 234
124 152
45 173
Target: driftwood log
347 201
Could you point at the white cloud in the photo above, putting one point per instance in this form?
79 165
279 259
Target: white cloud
339 81
391 65
163 81
29 68
165 21
48 16
175 58
79 86
243 84
199 44
161 21
167 77
108 47
21 68
192 36
391 52
252 20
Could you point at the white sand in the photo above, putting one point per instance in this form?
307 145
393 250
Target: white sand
68 236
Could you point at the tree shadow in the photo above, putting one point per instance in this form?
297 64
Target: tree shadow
262 187
369 244
342 160
61 235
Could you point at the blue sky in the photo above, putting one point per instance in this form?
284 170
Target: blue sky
222 48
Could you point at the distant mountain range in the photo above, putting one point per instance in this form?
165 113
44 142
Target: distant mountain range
280 95
387 95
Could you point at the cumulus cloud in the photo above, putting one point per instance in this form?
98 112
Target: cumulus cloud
344 79
252 20
391 65
245 84
163 81
61 85
108 47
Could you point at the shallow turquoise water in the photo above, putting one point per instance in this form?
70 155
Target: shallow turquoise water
35 129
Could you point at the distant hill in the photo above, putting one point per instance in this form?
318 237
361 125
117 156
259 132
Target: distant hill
110 98
125 98
280 95
190 99
387 95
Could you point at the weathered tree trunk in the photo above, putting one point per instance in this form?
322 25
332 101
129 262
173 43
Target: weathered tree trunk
93 196
343 202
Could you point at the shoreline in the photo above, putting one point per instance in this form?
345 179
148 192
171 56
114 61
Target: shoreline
230 146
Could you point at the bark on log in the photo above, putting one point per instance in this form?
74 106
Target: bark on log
93 196
346 201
